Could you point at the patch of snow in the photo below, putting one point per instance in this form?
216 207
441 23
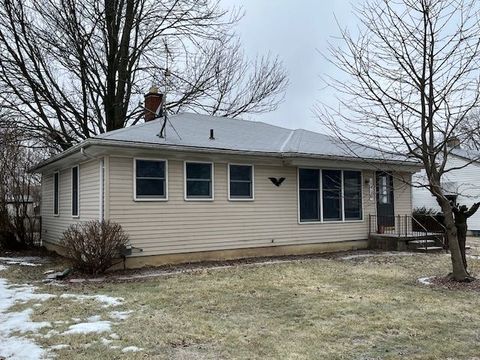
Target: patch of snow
94 318
105 299
3 267
33 259
59 347
20 349
51 333
89 327
425 280
105 341
387 253
11 322
131 349
114 336
120 315
20 321
23 261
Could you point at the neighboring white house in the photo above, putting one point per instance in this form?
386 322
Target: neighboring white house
462 183
217 188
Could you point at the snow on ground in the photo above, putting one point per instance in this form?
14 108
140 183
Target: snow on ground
14 347
23 261
105 342
89 327
131 349
425 280
3 267
20 349
105 299
59 347
120 315
19 322
94 318
386 253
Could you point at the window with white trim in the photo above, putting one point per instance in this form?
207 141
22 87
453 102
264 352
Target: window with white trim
332 195
56 188
198 178
309 194
241 182
352 184
329 195
75 190
150 179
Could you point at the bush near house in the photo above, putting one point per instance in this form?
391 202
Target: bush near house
94 245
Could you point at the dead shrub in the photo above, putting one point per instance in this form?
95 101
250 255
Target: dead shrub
94 245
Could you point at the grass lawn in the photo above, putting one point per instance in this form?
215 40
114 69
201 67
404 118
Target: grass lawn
319 308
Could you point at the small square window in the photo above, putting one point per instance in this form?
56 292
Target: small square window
150 179
199 180
241 182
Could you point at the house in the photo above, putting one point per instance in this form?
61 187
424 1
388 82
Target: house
461 183
210 188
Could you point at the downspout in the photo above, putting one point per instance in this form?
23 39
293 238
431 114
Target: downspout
84 153
101 210
101 196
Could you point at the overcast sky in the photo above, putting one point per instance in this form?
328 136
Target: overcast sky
296 31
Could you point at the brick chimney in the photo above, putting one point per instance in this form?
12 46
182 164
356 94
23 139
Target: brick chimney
153 104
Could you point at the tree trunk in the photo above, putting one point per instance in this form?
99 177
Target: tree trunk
459 271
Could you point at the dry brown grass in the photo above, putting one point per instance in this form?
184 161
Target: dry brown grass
324 308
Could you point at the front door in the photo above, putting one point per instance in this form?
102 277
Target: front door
385 205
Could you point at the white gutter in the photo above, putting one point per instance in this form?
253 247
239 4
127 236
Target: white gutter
142 145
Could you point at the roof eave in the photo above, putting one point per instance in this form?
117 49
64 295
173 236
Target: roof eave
135 144
60 156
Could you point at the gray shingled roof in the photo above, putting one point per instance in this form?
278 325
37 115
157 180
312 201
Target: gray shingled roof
193 130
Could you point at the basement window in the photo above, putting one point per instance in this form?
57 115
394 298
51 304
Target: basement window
240 182
150 179
198 181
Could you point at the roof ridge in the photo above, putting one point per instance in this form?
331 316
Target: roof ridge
236 119
126 128
287 140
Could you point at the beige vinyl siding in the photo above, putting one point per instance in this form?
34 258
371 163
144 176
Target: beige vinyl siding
402 192
54 226
177 226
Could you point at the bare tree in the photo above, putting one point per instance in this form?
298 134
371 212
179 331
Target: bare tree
74 68
19 190
469 135
411 80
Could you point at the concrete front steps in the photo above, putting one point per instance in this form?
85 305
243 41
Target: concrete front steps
417 243
424 245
